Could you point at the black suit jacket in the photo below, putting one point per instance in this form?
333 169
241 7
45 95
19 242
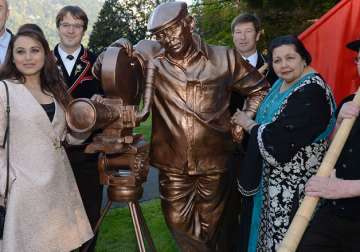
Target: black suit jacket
81 83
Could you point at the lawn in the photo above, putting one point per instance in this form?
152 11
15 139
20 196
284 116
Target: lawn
117 233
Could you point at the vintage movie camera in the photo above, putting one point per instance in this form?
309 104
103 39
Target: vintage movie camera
123 156
123 161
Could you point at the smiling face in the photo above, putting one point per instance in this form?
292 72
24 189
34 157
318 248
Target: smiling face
287 63
28 56
71 31
176 39
245 38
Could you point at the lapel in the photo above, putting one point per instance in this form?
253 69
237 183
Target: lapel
60 63
80 70
56 128
58 122
260 61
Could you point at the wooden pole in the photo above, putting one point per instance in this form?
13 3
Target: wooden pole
304 213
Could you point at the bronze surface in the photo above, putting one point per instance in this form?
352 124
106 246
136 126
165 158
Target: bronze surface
123 162
188 88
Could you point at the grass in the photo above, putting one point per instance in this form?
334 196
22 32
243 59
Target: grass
145 129
117 233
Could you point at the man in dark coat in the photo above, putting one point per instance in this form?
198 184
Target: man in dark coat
246 32
76 63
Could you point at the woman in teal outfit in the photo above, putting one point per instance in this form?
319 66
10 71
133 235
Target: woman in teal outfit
287 142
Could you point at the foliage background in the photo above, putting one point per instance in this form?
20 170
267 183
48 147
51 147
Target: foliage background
43 13
130 17
278 17
112 19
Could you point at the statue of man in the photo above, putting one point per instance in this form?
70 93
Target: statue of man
191 140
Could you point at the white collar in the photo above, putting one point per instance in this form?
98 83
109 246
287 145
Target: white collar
69 64
252 59
64 54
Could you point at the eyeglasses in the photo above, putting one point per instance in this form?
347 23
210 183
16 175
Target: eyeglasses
357 60
75 26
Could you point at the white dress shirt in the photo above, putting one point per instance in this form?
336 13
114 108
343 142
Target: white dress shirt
252 59
4 43
69 64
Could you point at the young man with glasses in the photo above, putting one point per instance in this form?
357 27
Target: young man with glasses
76 62
336 225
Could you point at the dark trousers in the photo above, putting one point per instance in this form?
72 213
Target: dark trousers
329 232
193 206
87 178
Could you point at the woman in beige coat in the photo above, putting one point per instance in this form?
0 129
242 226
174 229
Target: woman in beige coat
44 209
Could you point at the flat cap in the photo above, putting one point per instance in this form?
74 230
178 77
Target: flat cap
354 45
165 15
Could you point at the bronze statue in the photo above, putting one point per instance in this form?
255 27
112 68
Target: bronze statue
188 93
123 161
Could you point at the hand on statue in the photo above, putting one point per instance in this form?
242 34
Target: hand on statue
242 119
122 42
126 44
347 111
97 98
326 187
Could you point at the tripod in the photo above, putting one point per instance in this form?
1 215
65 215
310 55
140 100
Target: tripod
124 174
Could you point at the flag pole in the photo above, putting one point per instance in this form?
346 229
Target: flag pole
304 213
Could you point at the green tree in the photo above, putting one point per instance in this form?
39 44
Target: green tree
127 18
278 17
213 19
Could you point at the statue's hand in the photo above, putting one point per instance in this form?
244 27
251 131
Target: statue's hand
126 44
97 98
122 42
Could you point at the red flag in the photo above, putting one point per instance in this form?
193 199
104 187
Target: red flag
326 41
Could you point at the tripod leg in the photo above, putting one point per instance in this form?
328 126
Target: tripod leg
137 227
98 223
144 227
104 212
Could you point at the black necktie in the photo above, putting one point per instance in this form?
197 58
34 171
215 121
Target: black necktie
70 57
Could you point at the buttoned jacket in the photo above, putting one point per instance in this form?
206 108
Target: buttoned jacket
44 210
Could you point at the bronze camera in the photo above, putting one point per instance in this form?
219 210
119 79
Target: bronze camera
123 160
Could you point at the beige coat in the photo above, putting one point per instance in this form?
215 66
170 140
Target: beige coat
45 212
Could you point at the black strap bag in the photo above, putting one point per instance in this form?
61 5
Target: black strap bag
5 143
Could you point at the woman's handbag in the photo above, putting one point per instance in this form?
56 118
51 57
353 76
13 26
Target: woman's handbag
5 142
